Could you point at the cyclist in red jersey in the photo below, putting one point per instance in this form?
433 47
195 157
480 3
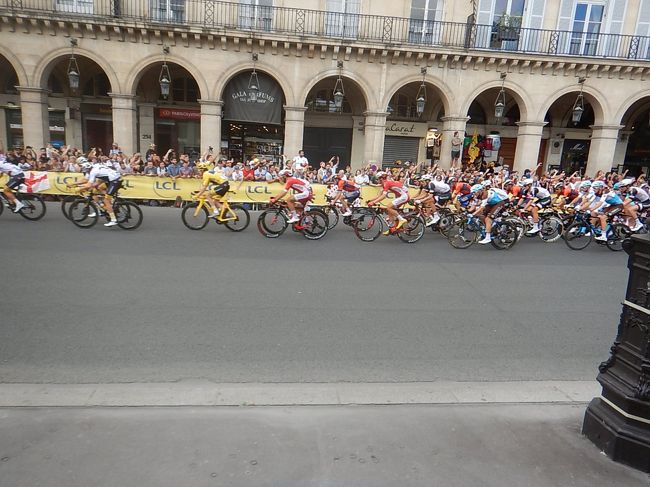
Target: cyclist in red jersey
401 197
302 193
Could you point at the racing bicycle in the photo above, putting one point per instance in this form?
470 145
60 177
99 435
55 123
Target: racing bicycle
373 222
34 208
273 221
84 212
196 214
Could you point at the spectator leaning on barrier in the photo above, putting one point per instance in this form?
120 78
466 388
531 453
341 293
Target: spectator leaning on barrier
173 169
227 168
260 171
237 173
150 169
249 171
272 174
186 171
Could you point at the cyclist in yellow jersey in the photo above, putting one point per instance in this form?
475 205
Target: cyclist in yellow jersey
217 184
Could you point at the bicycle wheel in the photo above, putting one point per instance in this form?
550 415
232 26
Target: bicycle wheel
242 221
577 236
83 213
2 203
413 229
445 223
551 229
193 217
519 225
504 235
461 235
368 227
66 202
616 235
128 214
356 214
315 224
34 208
272 223
332 216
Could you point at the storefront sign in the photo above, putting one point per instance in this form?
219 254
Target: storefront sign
179 114
263 106
95 108
406 129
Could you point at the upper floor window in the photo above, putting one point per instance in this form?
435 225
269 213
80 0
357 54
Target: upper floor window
323 101
256 14
342 18
402 106
185 90
424 26
75 6
98 85
643 30
168 10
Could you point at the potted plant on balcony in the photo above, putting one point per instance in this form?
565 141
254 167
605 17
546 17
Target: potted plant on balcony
507 28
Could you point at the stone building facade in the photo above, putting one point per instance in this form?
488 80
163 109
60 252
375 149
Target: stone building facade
460 56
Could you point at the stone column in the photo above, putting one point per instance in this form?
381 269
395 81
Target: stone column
35 117
211 125
449 126
146 123
603 147
294 130
375 132
529 138
125 122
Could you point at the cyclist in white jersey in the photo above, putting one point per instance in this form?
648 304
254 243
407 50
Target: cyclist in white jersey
100 173
16 178
637 199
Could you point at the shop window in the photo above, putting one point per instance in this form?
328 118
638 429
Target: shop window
323 101
97 86
185 90
57 128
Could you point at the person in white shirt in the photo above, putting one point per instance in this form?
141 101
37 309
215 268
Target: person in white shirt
300 164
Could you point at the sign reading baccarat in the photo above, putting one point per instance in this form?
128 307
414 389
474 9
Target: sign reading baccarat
179 114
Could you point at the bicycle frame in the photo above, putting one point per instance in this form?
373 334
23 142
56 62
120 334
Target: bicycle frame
204 202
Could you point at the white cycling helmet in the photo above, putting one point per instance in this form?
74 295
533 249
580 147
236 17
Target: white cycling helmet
425 177
85 166
527 182
284 172
381 174
598 185
585 184
487 183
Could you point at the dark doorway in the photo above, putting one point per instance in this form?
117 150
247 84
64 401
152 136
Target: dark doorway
320 144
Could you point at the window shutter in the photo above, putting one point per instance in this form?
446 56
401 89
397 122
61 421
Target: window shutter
536 18
616 16
400 148
484 12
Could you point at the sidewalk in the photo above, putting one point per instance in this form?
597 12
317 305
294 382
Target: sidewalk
499 445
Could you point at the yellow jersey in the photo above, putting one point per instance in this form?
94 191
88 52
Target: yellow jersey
213 177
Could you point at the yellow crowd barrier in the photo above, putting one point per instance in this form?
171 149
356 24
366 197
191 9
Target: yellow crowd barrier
167 188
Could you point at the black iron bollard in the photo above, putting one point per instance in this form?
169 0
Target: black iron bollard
618 422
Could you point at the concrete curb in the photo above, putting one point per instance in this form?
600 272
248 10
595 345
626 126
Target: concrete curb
200 393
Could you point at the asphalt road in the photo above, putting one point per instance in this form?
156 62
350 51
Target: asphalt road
164 303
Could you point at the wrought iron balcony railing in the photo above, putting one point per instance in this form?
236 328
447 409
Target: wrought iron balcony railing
311 24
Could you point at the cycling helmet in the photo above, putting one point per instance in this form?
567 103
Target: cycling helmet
585 184
598 185
284 172
627 182
426 177
618 186
507 182
381 174
527 182
476 188
85 166
487 183
558 185
203 165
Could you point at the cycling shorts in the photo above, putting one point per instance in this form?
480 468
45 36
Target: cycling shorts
443 198
543 203
113 187
493 211
464 200
351 196
304 197
15 181
397 202
220 189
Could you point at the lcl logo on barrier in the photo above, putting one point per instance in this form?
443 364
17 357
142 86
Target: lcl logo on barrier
162 188
258 190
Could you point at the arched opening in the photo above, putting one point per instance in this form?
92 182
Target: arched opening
330 128
12 137
569 140
253 118
414 125
496 129
634 138
79 117
169 120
